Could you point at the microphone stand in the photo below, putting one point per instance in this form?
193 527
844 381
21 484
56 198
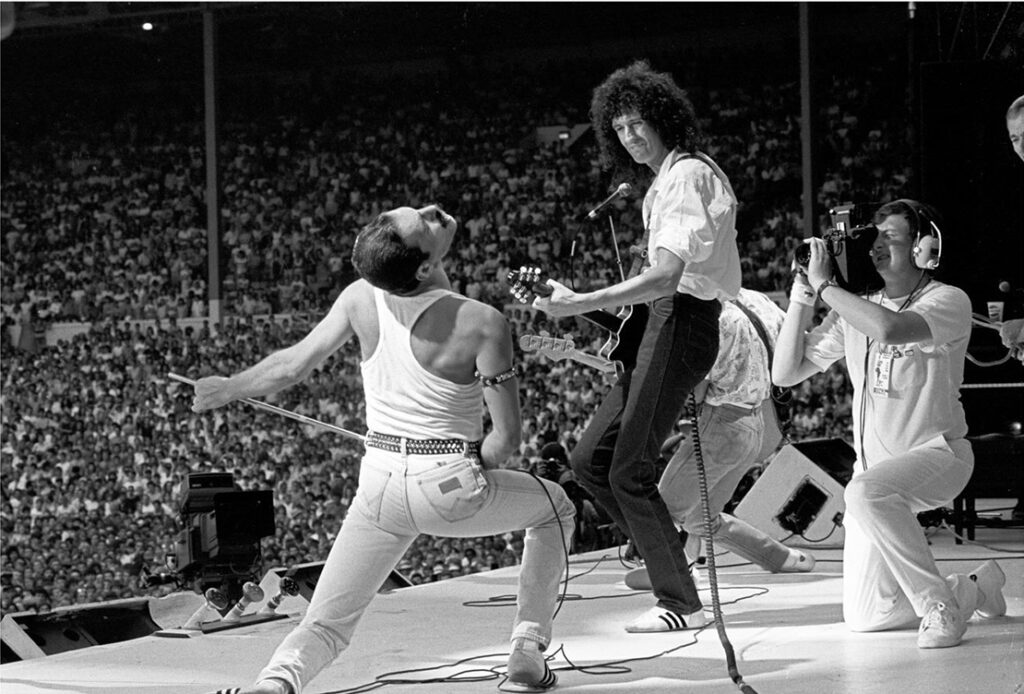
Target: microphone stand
615 245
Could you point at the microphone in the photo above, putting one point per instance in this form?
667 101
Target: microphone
251 593
1007 288
288 587
622 191
215 601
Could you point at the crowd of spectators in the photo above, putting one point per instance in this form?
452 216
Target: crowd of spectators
108 227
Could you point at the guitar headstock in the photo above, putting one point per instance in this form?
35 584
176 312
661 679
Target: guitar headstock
550 347
528 282
564 348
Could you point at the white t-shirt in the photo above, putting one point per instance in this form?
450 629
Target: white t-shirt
909 394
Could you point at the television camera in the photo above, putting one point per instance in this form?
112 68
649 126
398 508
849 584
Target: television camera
849 249
219 544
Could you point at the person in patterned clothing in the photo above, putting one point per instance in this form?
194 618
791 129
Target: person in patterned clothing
735 434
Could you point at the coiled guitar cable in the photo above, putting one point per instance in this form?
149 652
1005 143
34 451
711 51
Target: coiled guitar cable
705 504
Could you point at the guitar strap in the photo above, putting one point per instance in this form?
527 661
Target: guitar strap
639 251
759 327
781 417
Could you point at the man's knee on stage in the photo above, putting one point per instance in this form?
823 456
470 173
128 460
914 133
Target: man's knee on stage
564 516
638 478
591 468
864 495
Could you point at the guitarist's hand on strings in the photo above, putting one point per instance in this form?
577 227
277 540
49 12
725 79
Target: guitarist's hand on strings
562 301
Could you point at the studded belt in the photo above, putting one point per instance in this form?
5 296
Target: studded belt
395 444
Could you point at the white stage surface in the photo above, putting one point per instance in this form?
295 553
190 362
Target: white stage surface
786 630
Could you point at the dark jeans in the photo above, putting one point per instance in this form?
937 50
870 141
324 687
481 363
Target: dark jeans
617 456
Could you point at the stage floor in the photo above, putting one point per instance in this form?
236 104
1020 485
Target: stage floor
786 631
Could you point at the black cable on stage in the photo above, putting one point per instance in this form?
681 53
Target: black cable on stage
606 668
480 674
945 526
819 541
730 655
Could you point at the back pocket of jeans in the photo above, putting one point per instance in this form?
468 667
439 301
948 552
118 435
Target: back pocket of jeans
373 481
456 491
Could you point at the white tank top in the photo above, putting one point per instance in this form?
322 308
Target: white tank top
403 398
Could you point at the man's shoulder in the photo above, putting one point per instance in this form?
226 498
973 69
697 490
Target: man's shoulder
946 295
472 313
692 164
358 288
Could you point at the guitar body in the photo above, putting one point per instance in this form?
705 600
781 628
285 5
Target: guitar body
625 328
624 341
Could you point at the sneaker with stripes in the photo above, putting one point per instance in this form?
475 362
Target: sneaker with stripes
659 619
271 686
528 670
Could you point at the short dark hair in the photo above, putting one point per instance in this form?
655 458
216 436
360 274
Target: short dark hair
920 218
382 258
658 100
917 214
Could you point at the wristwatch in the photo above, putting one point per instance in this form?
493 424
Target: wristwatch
831 282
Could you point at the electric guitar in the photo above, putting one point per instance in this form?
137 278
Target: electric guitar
564 348
625 328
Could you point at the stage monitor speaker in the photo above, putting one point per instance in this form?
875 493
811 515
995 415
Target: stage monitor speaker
29 635
799 496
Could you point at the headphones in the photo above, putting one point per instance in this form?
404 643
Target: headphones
927 250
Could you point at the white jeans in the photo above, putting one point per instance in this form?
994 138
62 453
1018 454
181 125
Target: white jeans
730 439
889 574
400 497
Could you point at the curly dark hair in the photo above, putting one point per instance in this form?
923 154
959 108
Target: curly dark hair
382 258
658 100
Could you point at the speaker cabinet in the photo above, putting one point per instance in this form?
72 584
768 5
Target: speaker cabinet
799 496
29 635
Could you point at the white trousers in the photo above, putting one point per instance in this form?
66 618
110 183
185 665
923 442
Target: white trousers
400 497
889 574
730 441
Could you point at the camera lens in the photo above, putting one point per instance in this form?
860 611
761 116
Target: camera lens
802 255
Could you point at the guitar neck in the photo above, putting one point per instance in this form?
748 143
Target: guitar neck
602 365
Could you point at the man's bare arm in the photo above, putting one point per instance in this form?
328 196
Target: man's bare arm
502 399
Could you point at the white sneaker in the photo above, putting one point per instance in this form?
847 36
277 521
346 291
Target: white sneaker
528 670
942 627
797 562
990 579
659 619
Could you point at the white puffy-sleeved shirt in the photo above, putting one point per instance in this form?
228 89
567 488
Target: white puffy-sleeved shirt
690 211
905 395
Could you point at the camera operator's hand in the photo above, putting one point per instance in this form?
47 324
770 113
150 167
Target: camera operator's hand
819 268
799 272
801 292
